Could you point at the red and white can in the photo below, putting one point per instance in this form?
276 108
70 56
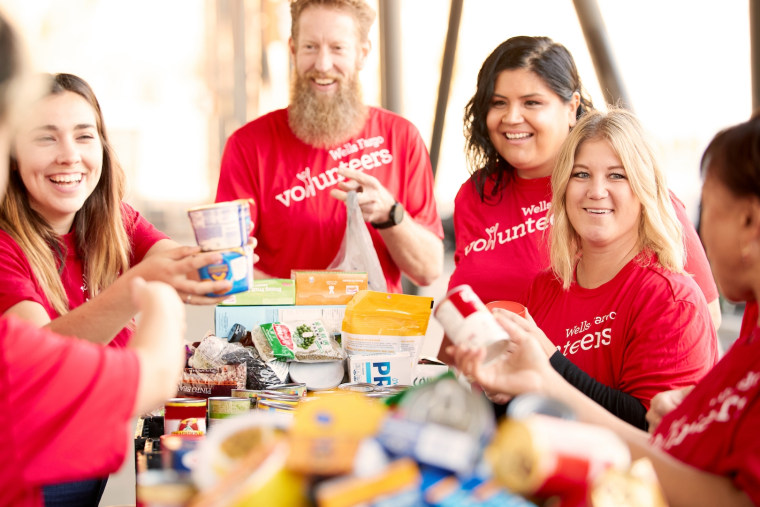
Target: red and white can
465 319
545 456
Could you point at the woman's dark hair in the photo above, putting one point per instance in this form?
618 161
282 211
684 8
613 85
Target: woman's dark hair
549 60
733 156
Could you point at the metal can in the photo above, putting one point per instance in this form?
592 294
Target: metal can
544 456
357 387
220 408
275 406
289 399
221 225
178 452
465 319
185 416
295 388
251 394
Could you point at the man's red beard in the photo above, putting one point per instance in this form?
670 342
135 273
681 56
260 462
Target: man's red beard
325 120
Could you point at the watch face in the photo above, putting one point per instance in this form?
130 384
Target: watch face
397 213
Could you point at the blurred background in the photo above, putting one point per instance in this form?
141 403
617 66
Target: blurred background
176 77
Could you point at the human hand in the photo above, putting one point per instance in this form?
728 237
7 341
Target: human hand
158 300
522 368
374 200
662 403
178 267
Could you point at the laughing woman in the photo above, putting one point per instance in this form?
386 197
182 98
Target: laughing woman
69 246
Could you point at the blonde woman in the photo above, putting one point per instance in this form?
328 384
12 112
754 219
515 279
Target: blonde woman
616 313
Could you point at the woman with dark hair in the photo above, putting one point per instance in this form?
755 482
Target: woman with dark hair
68 402
528 98
69 246
705 450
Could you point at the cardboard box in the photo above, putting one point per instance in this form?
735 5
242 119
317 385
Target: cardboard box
248 316
325 287
383 370
427 369
267 292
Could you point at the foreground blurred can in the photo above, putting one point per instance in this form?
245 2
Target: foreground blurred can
222 225
546 456
236 266
465 319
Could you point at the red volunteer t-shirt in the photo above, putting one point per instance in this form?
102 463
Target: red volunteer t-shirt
501 245
647 330
20 283
715 428
297 224
62 398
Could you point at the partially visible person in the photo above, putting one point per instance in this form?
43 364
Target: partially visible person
69 245
706 450
529 97
62 395
617 315
298 163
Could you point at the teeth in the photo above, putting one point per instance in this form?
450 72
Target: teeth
598 211
324 81
517 136
66 178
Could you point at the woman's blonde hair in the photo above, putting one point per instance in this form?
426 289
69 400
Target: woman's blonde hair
659 229
100 237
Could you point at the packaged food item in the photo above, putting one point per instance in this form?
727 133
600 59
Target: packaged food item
267 292
380 370
397 484
327 431
208 382
185 416
259 374
178 452
465 319
313 343
221 225
223 407
636 487
277 337
547 456
236 266
326 287
382 323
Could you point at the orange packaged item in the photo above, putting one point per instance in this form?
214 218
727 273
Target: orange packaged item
325 287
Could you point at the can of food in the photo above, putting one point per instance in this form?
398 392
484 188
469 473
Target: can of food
164 488
294 388
357 387
465 319
221 225
544 456
220 408
280 397
185 416
178 452
251 394
236 266
275 406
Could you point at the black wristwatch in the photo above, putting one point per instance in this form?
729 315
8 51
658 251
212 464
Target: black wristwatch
394 218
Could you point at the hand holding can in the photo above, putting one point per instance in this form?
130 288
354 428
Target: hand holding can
466 320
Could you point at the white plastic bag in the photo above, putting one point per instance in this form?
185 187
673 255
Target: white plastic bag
357 253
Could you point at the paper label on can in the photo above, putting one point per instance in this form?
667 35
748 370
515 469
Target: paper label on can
186 426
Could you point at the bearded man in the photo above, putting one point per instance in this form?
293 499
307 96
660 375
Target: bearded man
297 164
